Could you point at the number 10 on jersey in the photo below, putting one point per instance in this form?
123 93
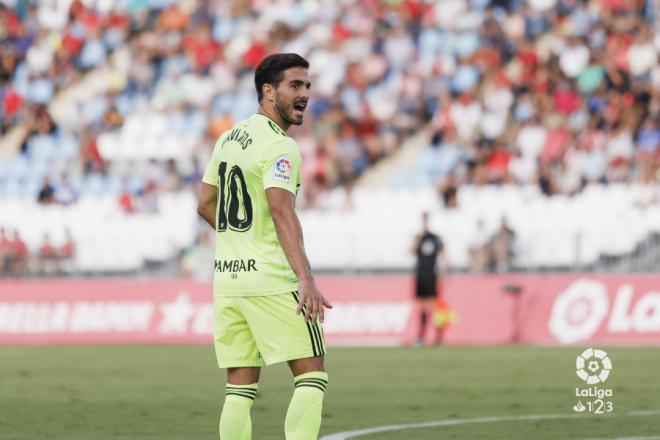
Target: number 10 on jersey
235 204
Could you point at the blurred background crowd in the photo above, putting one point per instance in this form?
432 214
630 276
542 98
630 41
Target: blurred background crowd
125 98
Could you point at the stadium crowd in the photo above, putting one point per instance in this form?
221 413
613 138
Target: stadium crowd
551 91
126 98
50 259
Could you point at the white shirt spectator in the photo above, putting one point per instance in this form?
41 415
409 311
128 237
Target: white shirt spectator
399 50
542 5
570 180
573 60
466 117
447 12
530 140
328 69
523 169
493 124
642 58
40 57
620 145
53 14
594 165
498 99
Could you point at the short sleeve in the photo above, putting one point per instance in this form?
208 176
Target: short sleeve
211 172
281 165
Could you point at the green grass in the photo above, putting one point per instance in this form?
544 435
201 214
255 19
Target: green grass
145 392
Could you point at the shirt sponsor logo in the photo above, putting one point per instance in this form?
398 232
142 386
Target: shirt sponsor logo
235 265
282 169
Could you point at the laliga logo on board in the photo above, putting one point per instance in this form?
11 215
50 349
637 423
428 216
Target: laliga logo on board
580 310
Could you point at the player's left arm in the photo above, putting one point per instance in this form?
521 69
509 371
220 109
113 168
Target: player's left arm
281 203
281 167
208 201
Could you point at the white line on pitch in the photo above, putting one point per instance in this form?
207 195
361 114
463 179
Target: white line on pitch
624 438
453 422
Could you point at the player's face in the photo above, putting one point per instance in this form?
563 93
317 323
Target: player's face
292 95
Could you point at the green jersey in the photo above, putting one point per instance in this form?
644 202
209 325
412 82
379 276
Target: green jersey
254 155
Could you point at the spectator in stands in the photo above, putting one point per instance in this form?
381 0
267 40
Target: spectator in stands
479 249
449 191
126 200
66 252
148 198
6 250
46 194
172 181
502 246
90 156
47 257
18 256
194 261
65 194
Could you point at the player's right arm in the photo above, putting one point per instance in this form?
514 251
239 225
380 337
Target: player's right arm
208 201
208 197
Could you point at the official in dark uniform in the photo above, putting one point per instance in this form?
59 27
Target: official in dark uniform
429 251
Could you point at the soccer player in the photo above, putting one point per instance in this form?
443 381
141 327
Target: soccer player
267 308
427 248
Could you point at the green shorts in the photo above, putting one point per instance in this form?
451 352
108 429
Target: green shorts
262 330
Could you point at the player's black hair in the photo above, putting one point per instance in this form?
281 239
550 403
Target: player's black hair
271 69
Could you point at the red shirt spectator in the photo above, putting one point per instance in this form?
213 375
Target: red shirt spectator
47 250
67 250
498 164
12 103
19 247
254 55
91 157
126 202
5 246
566 101
555 144
202 48
71 44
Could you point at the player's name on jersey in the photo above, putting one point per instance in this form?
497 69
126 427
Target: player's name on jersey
240 136
235 265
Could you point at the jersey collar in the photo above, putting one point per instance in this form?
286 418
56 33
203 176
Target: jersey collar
272 124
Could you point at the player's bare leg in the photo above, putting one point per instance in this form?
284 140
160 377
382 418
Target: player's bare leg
243 375
235 421
425 311
306 365
303 419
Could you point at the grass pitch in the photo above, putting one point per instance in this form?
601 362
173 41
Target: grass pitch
176 392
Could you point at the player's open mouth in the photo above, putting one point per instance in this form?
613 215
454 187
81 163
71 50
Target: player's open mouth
300 106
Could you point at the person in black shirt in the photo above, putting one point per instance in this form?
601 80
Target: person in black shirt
46 193
429 251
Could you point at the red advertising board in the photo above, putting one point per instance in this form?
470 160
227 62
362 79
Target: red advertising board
544 309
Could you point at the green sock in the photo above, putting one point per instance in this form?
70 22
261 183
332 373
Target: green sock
303 419
235 422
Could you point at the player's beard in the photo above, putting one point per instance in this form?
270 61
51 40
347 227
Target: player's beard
285 110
